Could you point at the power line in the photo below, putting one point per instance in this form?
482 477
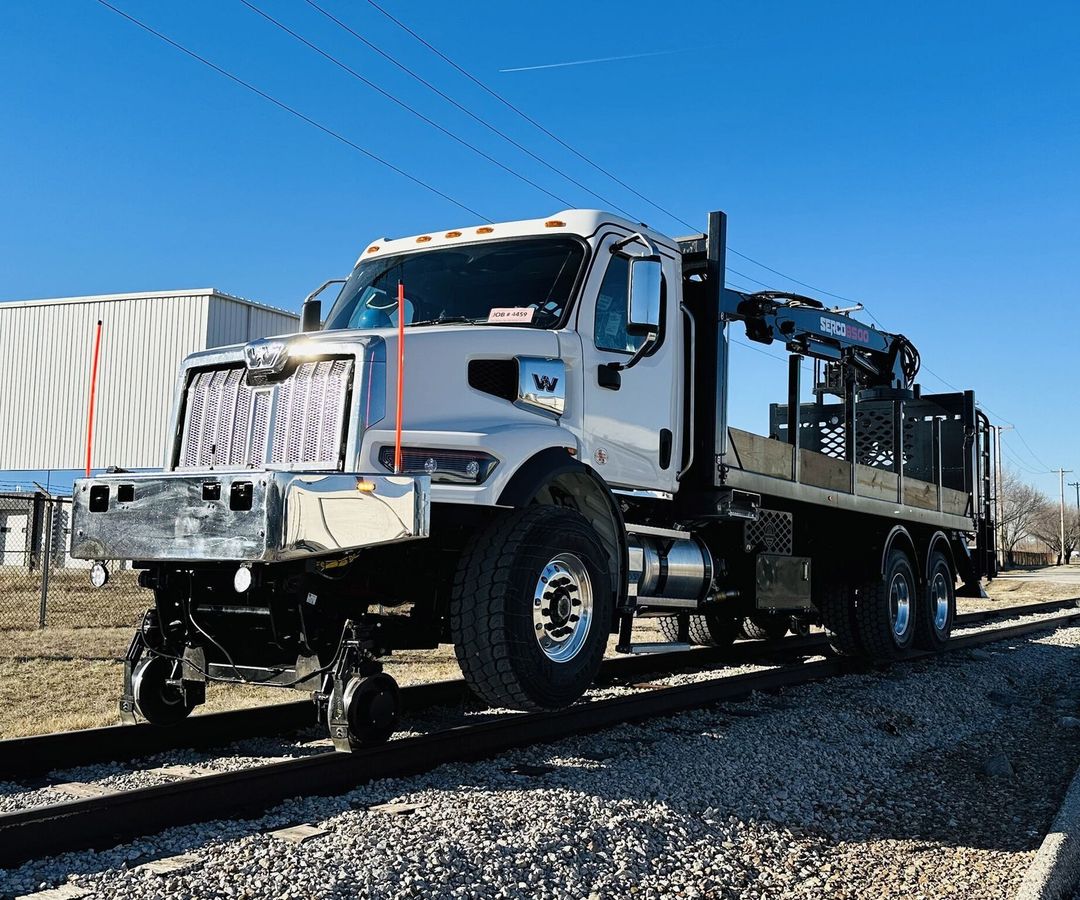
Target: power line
1021 465
291 110
371 84
389 58
526 116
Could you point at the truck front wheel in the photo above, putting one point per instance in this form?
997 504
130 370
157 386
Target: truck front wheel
531 608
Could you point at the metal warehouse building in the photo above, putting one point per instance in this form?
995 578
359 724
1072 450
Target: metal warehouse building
46 350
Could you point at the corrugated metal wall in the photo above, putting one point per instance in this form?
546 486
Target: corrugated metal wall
233 321
45 359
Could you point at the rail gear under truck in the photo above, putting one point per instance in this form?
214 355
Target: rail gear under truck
564 469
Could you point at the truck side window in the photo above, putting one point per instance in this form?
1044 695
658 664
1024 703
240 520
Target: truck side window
609 326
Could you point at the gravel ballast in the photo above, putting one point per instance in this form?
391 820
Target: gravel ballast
887 784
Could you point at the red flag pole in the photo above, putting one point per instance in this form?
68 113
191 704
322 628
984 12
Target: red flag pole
400 372
93 396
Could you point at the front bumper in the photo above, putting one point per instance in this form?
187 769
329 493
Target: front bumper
250 516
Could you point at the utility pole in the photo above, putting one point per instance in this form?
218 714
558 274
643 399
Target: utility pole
1061 482
999 506
1076 484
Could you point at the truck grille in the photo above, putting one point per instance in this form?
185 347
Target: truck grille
228 423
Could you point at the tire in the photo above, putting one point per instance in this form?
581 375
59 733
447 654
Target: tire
699 630
503 579
709 629
937 612
837 607
886 609
764 628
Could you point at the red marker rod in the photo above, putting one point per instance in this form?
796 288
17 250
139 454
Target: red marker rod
400 373
93 396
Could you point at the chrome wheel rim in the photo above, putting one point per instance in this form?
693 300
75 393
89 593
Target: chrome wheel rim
939 600
900 604
562 607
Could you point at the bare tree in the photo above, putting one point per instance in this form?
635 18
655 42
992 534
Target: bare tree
1047 528
1021 504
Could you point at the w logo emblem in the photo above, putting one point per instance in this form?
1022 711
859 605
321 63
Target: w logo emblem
545 382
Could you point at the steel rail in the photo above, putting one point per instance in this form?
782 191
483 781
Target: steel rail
104 821
26 757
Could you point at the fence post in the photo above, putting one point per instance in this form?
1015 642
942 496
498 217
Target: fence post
46 564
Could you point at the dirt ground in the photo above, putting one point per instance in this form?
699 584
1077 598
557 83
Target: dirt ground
57 679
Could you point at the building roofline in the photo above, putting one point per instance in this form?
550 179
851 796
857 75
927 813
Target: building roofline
146 295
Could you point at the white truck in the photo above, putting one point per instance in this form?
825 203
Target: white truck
514 438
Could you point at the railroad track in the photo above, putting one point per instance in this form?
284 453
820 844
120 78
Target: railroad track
22 758
102 821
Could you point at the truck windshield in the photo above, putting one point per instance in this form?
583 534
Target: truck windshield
516 282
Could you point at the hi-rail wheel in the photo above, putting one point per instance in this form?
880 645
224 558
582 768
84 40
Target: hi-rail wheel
887 608
710 629
531 608
937 610
765 627
799 625
372 706
158 699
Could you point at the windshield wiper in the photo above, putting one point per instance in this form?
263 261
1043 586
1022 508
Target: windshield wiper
445 320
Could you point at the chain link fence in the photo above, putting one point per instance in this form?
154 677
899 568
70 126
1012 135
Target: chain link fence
41 585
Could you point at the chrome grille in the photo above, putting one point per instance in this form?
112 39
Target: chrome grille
227 423
310 413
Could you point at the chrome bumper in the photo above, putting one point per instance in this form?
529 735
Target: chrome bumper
257 516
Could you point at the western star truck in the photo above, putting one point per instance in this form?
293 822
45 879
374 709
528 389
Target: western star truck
514 438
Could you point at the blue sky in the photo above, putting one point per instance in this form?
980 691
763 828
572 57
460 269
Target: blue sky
920 156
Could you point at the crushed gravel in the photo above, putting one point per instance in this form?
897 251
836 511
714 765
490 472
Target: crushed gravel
876 784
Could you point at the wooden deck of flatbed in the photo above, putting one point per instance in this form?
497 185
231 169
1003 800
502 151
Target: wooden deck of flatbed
765 466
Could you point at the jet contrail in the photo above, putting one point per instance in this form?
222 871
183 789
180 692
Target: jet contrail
588 62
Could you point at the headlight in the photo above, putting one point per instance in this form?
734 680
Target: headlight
448 466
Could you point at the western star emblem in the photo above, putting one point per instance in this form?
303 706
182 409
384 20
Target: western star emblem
266 357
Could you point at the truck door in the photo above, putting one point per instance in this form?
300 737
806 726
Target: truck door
630 435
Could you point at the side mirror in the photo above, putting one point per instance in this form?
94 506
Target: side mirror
311 315
643 296
311 311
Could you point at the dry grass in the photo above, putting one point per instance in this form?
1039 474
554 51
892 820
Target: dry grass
72 600
64 678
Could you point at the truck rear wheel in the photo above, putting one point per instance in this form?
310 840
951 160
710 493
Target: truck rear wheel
885 609
936 614
709 629
765 627
837 608
531 608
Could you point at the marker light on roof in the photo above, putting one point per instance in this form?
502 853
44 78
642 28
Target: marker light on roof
453 234
484 229
423 239
372 249
554 223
